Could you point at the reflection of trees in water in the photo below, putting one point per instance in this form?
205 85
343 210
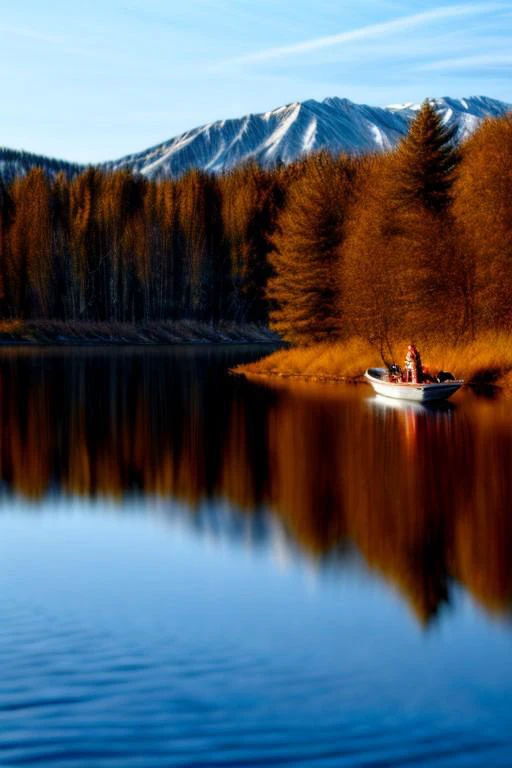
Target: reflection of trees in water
424 496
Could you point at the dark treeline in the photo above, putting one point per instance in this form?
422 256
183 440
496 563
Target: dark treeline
114 246
414 242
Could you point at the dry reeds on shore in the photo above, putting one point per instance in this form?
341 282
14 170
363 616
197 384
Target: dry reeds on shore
484 360
333 361
487 359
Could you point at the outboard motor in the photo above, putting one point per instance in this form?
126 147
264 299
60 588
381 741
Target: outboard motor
443 376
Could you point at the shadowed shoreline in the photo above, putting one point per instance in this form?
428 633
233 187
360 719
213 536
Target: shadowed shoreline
56 332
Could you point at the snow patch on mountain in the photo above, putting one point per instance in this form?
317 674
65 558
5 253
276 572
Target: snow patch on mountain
309 136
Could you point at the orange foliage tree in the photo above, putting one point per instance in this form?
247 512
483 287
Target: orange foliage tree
403 273
311 227
483 210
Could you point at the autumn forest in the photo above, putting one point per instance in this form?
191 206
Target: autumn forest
417 240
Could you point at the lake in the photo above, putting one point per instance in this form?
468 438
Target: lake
201 570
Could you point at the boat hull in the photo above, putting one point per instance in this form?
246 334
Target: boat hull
420 393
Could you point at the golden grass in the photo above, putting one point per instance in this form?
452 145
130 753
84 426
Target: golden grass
340 360
487 359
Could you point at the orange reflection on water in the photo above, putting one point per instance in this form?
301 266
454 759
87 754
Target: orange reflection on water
424 495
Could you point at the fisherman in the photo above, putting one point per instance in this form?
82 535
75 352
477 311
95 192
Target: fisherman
413 367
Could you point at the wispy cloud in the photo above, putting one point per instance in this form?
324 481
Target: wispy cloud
477 61
370 32
62 43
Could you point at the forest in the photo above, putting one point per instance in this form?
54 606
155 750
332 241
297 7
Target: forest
115 247
412 243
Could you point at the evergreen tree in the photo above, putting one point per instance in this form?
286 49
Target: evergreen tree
427 159
305 288
419 210
251 200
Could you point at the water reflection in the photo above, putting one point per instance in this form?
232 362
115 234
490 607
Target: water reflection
423 494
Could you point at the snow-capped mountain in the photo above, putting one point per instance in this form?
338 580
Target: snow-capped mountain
280 136
287 133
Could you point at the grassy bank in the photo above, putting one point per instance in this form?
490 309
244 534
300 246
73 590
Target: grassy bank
165 332
485 361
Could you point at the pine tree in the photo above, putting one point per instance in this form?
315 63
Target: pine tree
251 200
435 272
305 286
426 163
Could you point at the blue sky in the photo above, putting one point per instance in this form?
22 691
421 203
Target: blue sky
93 81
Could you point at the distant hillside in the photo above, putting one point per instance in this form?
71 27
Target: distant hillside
16 163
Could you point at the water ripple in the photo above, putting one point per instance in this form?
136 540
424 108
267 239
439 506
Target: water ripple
82 689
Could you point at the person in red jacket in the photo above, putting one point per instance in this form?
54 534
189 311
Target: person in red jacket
413 366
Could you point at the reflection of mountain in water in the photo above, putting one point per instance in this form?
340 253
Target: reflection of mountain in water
424 496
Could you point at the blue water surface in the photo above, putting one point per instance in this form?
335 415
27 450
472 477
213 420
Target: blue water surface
146 630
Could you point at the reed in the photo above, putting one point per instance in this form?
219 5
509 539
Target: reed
336 361
485 360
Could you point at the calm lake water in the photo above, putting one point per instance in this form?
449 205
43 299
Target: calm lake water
199 570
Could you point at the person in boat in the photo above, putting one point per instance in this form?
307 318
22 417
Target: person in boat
413 366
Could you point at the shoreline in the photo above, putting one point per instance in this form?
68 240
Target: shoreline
42 333
304 377
476 387
485 363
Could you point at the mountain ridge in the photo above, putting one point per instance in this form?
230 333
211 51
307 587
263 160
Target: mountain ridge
283 135
286 133
17 162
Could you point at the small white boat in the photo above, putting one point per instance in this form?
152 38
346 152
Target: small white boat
425 392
